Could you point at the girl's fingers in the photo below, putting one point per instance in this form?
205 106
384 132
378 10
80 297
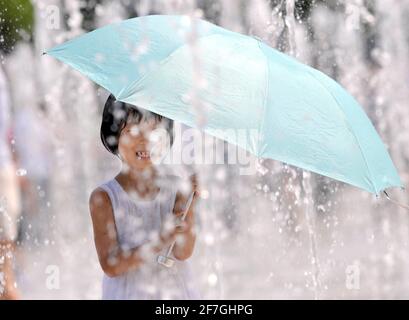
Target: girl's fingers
181 228
178 217
178 213
194 183
195 186
169 238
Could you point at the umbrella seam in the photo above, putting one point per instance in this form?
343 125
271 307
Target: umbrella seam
161 63
267 85
349 128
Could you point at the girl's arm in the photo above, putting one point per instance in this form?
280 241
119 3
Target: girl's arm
186 235
115 261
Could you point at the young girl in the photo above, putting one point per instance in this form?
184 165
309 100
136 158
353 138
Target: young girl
134 214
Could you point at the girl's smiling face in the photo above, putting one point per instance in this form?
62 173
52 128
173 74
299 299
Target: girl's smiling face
135 142
139 137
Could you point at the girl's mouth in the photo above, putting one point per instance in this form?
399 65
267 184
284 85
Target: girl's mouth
142 155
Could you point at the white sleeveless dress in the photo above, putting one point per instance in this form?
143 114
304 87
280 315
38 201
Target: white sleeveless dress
136 221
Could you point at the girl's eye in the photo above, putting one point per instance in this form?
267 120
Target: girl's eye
133 131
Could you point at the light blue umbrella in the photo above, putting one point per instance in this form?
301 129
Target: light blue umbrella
272 105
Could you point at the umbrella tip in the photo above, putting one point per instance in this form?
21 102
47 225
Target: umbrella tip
404 206
44 53
256 37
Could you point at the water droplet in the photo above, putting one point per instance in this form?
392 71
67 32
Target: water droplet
21 172
212 279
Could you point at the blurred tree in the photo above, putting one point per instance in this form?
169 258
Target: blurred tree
88 12
16 23
211 10
370 35
302 7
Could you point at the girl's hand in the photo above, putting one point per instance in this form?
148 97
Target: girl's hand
195 187
185 228
168 237
182 226
181 199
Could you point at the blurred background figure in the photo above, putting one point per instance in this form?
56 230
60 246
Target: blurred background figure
258 218
9 198
33 149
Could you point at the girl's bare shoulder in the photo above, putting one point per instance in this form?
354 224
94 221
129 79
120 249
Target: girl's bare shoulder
99 201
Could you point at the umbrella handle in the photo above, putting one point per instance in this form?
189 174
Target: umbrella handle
404 206
165 260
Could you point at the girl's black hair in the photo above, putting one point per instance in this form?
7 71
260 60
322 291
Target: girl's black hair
115 117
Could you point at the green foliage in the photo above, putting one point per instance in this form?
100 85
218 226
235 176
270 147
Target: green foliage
16 23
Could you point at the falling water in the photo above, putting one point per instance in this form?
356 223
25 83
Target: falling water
260 235
309 212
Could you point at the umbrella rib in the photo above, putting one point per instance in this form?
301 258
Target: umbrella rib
267 86
161 63
348 126
402 205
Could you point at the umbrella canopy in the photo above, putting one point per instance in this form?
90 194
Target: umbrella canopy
251 94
